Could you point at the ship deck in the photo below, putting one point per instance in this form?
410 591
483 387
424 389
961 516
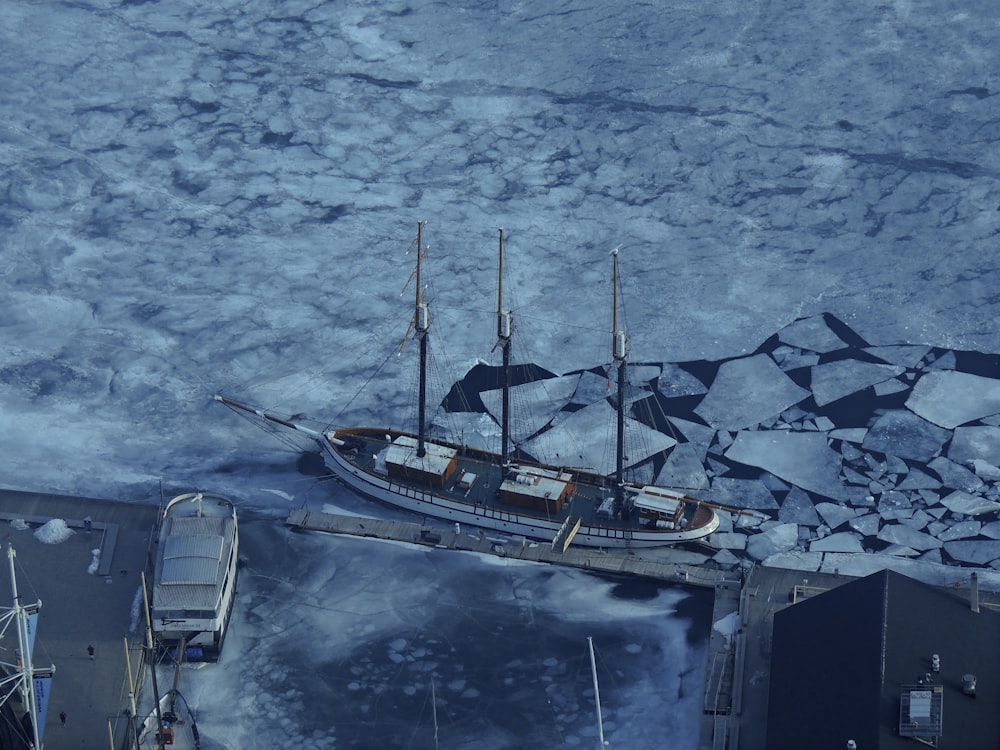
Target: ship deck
588 493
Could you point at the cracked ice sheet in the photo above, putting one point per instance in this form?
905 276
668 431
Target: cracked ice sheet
844 541
975 443
592 387
950 398
585 439
834 380
969 505
812 334
748 391
533 404
901 433
800 458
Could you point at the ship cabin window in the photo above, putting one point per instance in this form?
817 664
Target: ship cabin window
185 614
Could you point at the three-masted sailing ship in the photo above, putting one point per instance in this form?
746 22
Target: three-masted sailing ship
506 491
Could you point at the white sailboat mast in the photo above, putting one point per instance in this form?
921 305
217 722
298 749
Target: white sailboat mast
435 712
504 335
597 693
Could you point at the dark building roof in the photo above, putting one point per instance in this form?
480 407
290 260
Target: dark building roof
843 661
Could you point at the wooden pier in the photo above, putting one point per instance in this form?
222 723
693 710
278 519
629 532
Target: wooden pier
473 539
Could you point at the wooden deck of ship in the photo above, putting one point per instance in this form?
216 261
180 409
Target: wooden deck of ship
472 539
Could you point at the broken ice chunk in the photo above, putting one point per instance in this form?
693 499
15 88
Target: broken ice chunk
904 535
780 538
969 505
800 458
747 391
742 493
977 442
835 515
866 525
798 508
835 380
954 476
960 530
975 552
812 334
904 434
950 398
845 541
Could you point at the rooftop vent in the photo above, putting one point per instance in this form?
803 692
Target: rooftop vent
920 710
969 685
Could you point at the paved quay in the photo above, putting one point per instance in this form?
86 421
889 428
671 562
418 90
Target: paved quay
79 608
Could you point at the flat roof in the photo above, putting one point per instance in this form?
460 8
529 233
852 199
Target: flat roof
536 482
843 662
403 452
191 569
658 501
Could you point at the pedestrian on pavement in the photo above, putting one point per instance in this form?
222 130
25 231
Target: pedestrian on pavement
62 718
90 651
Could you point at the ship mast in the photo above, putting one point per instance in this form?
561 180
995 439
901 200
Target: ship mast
619 350
26 678
504 334
421 322
597 694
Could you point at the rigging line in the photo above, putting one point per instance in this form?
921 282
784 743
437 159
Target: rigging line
359 391
521 316
23 576
609 672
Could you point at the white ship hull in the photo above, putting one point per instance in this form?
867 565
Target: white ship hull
196 573
434 505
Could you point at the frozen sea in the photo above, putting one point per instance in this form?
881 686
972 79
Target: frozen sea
203 197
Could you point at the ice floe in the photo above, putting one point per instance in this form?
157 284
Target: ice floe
748 391
835 380
844 541
949 398
904 434
832 446
802 458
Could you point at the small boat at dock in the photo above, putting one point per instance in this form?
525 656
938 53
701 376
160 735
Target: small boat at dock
195 575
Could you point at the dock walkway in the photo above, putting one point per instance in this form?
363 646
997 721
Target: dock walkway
476 540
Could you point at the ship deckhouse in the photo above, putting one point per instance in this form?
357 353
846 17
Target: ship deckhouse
434 468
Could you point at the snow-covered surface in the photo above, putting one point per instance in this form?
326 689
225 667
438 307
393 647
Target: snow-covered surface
53 531
202 197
